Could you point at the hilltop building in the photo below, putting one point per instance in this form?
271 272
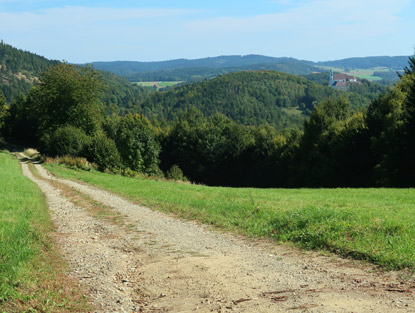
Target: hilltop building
341 81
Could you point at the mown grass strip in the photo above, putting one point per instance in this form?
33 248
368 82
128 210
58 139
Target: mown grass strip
377 225
32 273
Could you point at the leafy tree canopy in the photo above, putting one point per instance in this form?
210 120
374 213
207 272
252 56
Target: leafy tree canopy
67 95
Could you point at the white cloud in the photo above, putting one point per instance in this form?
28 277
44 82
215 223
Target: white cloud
315 29
70 16
323 16
78 34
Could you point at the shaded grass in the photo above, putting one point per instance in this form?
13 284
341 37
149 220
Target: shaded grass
377 225
32 275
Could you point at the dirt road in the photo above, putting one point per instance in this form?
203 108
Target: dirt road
152 262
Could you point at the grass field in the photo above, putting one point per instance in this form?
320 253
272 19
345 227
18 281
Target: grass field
158 85
32 275
377 225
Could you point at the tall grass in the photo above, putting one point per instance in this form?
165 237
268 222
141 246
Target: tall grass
31 270
377 225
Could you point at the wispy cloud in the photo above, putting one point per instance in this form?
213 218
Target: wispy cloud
308 29
71 15
323 16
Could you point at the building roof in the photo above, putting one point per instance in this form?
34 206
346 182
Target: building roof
341 84
343 77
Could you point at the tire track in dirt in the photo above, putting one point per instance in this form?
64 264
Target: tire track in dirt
180 266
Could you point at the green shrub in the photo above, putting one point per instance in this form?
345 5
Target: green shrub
128 172
103 152
176 173
67 140
73 162
136 143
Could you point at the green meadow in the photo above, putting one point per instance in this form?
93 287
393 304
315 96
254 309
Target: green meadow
31 270
376 225
161 84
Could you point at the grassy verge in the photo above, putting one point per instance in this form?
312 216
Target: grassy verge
377 225
32 275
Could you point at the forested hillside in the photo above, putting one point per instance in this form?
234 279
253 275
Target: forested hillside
252 98
126 68
20 71
395 63
120 95
192 74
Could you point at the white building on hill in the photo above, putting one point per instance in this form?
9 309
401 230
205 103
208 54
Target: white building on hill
341 81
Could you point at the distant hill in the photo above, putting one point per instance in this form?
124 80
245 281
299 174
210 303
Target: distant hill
19 71
126 68
207 68
120 95
250 98
393 63
193 74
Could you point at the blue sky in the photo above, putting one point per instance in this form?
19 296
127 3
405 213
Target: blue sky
317 30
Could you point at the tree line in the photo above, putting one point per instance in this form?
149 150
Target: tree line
337 146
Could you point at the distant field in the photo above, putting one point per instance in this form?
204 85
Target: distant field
377 225
360 73
158 85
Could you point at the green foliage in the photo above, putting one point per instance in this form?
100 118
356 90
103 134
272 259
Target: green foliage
391 120
103 152
336 152
21 124
195 74
72 162
67 95
18 70
249 98
135 140
67 140
253 98
119 94
3 116
388 78
175 173
207 150
367 89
